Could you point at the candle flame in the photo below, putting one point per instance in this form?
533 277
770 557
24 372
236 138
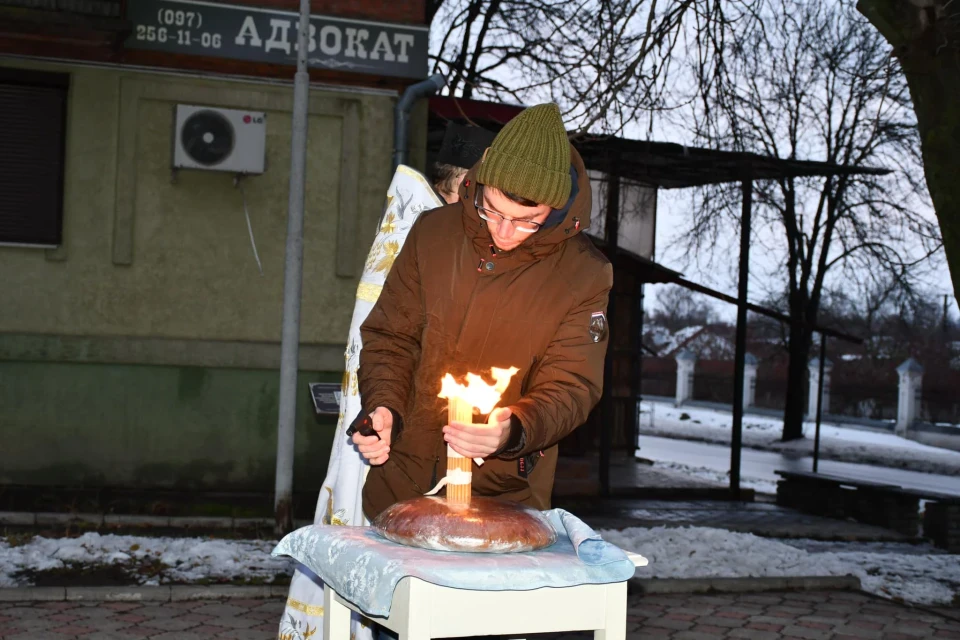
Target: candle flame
484 397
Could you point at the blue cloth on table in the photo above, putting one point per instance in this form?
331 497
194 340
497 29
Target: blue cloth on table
364 567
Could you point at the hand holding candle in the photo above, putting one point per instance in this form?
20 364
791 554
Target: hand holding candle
466 440
479 441
483 397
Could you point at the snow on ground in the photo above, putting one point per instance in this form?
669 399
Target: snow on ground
924 577
720 478
699 552
148 561
837 442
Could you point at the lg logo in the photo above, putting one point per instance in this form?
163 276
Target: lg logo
247 119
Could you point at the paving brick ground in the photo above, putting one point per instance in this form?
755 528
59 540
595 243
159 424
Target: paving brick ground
761 616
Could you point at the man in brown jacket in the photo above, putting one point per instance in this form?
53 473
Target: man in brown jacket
503 278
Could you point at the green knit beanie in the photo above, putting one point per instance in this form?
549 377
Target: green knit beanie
530 157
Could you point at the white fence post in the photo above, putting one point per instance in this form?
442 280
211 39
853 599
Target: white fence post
814 368
908 401
686 361
749 380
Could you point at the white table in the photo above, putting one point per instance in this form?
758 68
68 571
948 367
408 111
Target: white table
423 610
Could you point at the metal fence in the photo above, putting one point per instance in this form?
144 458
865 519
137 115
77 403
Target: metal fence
713 381
659 377
865 388
940 399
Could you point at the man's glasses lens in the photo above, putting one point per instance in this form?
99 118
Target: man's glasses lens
492 216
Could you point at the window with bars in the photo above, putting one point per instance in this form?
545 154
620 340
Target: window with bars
33 108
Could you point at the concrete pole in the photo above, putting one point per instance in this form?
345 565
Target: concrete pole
292 285
814 368
908 400
686 363
749 380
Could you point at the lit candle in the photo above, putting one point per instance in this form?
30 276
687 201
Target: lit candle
462 400
459 471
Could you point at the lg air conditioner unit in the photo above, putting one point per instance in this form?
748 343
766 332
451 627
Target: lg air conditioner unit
232 140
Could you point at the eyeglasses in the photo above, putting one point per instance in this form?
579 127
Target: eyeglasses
525 226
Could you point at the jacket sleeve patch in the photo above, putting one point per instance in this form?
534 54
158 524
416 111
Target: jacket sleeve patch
598 326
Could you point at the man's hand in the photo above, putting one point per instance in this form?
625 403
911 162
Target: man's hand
480 441
374 449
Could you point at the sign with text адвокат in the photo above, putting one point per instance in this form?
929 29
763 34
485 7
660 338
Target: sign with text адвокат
268 35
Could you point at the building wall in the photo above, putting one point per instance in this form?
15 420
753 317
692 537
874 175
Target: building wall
113 425
150 253
145 349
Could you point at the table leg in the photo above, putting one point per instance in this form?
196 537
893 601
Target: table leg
412 609
615 621
336 617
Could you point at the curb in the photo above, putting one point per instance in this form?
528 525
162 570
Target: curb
28 518
173 593
180 593
743 585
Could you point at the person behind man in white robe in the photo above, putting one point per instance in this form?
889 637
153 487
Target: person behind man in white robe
340 501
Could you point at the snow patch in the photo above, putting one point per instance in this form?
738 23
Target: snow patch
837 442
930 578
171 560
701 552
720 478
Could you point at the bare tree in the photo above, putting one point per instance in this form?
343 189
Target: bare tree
812 80
678 308
605 62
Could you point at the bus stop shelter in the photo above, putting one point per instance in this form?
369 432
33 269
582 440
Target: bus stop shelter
658 165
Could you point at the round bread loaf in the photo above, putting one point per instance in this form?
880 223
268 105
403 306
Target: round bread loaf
485 525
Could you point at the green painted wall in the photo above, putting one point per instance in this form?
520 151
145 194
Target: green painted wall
145 350
149 426
192 272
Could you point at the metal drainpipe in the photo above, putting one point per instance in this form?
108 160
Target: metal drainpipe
401 114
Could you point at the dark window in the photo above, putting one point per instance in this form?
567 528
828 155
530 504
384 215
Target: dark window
33 109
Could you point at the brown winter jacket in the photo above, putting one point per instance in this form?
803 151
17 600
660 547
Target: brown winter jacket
453 303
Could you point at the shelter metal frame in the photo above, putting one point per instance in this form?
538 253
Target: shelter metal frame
671 166
665 165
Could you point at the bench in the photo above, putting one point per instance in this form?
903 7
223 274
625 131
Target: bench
884 505
832 496
941 518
